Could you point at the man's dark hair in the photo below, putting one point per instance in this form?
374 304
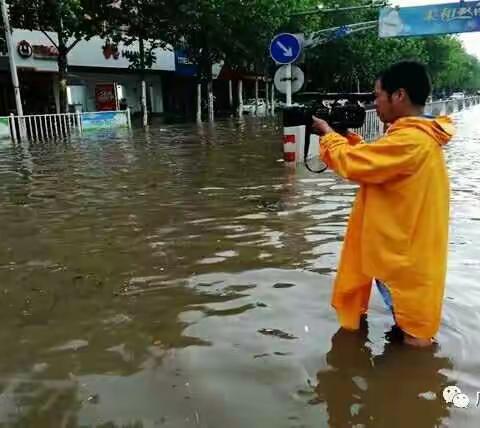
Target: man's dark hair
409 75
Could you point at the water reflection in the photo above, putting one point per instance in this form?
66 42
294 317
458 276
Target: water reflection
397 388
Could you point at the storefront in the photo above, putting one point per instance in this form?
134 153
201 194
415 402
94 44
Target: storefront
99 71
99 77
180 101
37 69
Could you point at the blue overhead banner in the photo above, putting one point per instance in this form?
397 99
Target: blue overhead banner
459 17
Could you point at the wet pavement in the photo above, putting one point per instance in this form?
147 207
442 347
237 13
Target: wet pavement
182 278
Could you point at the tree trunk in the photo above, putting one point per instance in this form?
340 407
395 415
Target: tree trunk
199 102
256 95
62 75
211 115
230 93
267 98
209 78
144 103
144 84
62 66
240 98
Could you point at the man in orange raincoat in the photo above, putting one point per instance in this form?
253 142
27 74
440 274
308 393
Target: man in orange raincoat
398 229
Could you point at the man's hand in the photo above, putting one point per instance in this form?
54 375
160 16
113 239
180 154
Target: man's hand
320 127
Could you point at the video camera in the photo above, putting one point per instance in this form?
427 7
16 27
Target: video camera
341 111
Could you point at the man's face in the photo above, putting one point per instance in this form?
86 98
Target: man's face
384 104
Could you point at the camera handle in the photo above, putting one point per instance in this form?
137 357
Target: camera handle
308 133
295 150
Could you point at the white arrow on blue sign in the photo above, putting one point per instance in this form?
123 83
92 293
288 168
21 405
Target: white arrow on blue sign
285 48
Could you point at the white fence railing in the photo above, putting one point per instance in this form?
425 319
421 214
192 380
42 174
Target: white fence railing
44 127
373 127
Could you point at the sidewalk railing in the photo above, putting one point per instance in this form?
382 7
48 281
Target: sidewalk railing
44 127
373 127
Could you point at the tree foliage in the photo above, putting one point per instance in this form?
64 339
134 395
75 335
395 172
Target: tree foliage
152 23
357 59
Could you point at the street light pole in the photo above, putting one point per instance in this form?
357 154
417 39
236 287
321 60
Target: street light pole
288 81
323 36
320 9
11 57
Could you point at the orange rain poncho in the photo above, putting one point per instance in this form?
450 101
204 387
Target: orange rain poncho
398 227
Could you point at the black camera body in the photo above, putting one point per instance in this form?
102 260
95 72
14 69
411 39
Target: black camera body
340 111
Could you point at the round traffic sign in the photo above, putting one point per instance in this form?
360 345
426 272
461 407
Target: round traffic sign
285 48
280 79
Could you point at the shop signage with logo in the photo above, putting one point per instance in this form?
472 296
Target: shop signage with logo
27 50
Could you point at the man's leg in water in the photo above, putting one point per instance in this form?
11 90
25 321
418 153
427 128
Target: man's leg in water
407 339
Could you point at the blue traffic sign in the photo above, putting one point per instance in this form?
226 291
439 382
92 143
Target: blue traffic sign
285 48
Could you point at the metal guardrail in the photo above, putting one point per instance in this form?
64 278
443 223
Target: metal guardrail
44 127
373 127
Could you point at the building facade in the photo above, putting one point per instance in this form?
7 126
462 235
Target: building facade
100 78
96 72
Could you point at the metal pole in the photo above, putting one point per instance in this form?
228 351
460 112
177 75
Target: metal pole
240 98
11 57
375 5
288 80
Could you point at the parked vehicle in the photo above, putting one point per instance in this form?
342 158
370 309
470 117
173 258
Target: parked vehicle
252 106
458 96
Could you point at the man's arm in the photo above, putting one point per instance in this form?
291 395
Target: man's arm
398 153
354 138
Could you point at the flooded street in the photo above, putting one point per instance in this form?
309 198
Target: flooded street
183 278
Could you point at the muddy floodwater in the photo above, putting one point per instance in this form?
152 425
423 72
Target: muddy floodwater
182 278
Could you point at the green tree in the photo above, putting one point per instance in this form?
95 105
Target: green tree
71 20
341 65
234 31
